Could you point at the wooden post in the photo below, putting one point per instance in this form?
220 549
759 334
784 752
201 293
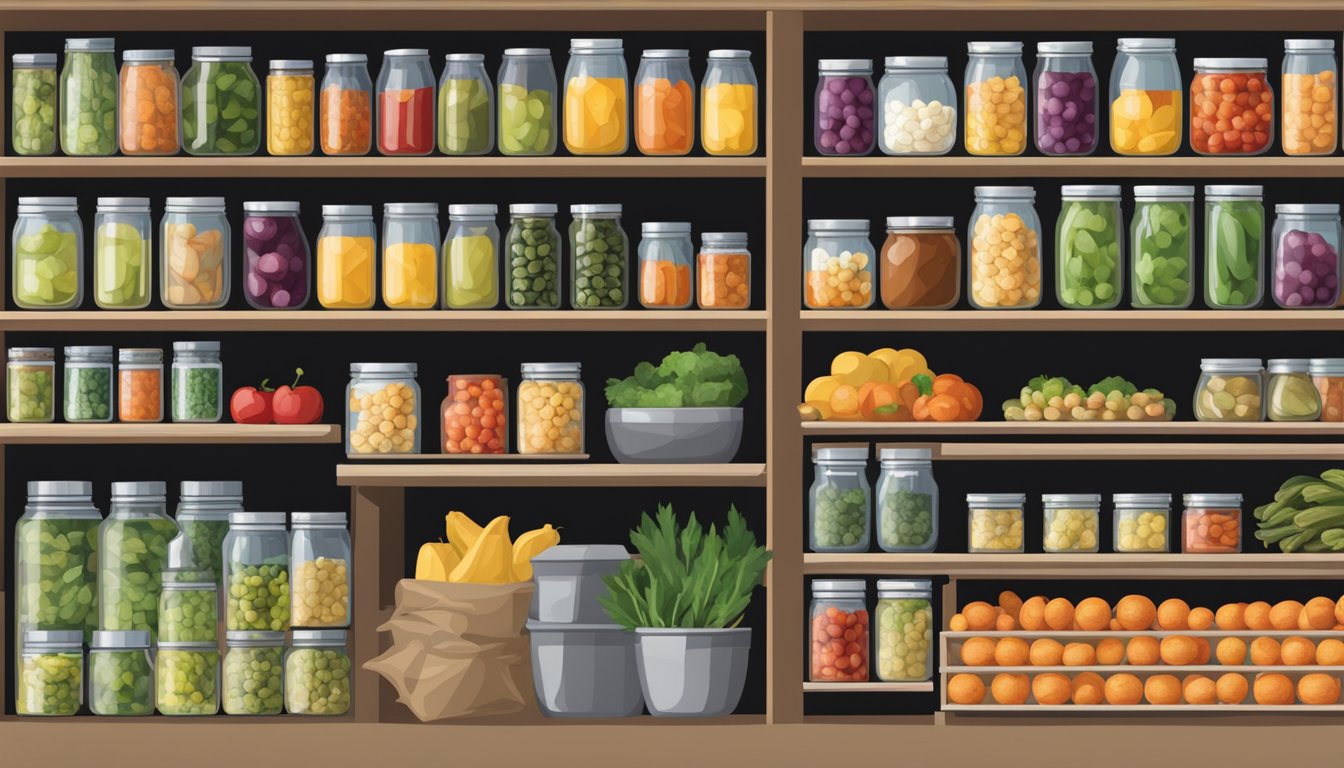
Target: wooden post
377 524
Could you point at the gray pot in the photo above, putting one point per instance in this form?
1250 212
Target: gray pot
693 672
585 670
569 581
674 435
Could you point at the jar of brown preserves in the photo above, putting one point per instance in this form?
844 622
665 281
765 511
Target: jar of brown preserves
921 263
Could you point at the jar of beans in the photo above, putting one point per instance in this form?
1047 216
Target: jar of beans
31 394
845 115
317 673
88 384
382 409
919 106
839 631
904 618
1005 263
1089 247
1240 125
319 553
723 273
665 255
1327 373
475 414
1066 99
907 501
996 99
1310 94
256 572
140 385
840 500
345 114
254 680
838 265
51 673
1212 523
1306 267
198 382
289 107
534 248
921 263
550 408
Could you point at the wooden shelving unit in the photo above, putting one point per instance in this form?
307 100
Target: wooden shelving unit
1170 565
873 687
1056 429
552 475
1132 320
877 166
140 434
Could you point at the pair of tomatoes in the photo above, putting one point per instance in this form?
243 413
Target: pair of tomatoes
291 404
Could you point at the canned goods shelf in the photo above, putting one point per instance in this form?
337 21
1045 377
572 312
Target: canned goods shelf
484 458
1000 321
143 434
1299 565
1071 167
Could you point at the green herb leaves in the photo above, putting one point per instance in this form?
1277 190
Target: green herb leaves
698 378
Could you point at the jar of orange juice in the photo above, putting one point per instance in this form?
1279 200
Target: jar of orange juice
475 414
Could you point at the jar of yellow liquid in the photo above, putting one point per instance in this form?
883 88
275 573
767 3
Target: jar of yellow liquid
411 255
596 115
345 248
1146 102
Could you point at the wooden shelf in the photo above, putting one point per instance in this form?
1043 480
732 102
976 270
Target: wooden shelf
556 476
1121 710
1155 669
1101 565
167 434
870 687
1013 321
470 458
1036 451
1208 429
882 166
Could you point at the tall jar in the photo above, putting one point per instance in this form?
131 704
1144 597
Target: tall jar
121 674
374 389
599 275
345 257
907 501
596 116
920 263
1142 521
320 555
475 414
289 107
122 253
729 123
527 102
723 271
1327 373
88 111
221 102
905 625
133 550
256 572
203 511
411 255
1089 247
838 264
919 107
665 256
1067 99
534 248
844 110
193 242
1231 107
276 259
150 117
996 522
1230 389
140 385
254 673
48 254
34 94
1211 523
1291 394
1310 93
1072 522
550 409
186 677
1306 256
198 382
996 99
839 631
1145 95
839 500
345 114
471 257
664 104
56 559
406 103
466 106
1005 258
31 394
317 673
50 678
1234 246
1162 244
87 390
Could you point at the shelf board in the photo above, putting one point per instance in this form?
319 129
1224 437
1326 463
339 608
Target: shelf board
555 476
1136 451
871 687
1249 566
1313 634
882 166
1122 709
144 434
1209 429
1011 321
1214 667
469 458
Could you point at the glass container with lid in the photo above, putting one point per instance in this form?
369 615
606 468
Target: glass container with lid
1005 271
56 559
189 603
411 255
996 521
51 673
1231 107
256 572
907 501
905 625
1234 246
320 555
34 95
345 114
475 414
728 101
406 103
187 679
1162 247
1142 521
1072 522
31 394
133 551
845 114
838 264
383 409
345 257
921 263
149 115
289 107
317 673
527 102
203 511
599 274
840 500
839 631
1310 94
1230 389
919 107
1145 93
1292 395
198 382
1067 99
665 259
996 99
471 257
122 248
193 242
1212 523
88 111
140 385
1306 267
1089 247
664 103
254 668
466 106
534 251
48 254
550 408
596 115
1327 373
221 102
277 263
723 271
121 674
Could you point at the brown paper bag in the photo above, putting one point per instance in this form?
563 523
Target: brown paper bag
458 650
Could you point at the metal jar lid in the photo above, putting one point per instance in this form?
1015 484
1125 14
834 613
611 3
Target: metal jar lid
909 223
1234 191
1326 366
899 455
347 211
1083 500
59 490
1005 193
845 66
221 53
248 638
48 204
1164 192
1141 500
596 45
271 206
591 209
33 60
198 347
1289 365
1064 48
838 225
839 588
53 640
140 490
411 209
904 588
317 519
533 209
123 205
148 55
470 58
473 210
1307 209
141 355
665 228
1090 191
400 52
723 239
1298 45
90 44
194 205
1230 365
520 52
995 48
120 640
196 489
32 354
95 354
399 369
347 58
552 371
267 519
997 500
666 53
1146 44
1212 500
323 638
1232 64
915 62
729 53
291 65
841 455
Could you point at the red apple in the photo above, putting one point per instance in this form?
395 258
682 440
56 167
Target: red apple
253 405
298 405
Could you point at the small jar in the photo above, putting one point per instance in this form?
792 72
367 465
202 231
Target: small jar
1306 256
320 555
1327 373
221 103
254 673
1230 389
723 273
839 501
905 624
545 425
596 116
921 263
289 107
907 501
121 674
150 117
203 511
1310 94
466 106
48 254
599 270
838 264
1067 99
50 679
317 673
31 373
527 103
919 107
1292 393
345 257
996 522
411 255
34 95
728 98
1162 252
193 242
88 111
189 604
996 99
198 382
1231 107
276 258
475 414
1089 247
187 679
839 631
57 531
373 389
122 253
256 572
345 115
1072 522
471 258
88 384
664 103
534 248
1145 95
406 103
1141 522
132 553
1005 257
1212 523
140 385
845 114
665 256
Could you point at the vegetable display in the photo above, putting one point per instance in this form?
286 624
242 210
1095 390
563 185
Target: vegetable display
1111 399
1307 514
698 378
889 385
476 555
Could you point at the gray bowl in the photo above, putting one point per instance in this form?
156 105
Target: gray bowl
674 435
585 670
693 672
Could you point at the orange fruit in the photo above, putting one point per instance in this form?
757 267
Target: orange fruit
1256 616
1273 688
1005 623
1123 688
1142 651
1339 611
1088 688
1231 651
1318 688
1173 614
979 615
1079 655
1200 618
1231 688
1178 650
1115 625
1202 651
966 689
1297 651
1319 613
1051 688
1330 653
1162 689
1032 615
1008 688
1231 616
1011 652
958 623
1046 653
1135 612
1059 614
1265 652
1110 652
1010 603
1284 614
1092 614
1198 689
978 652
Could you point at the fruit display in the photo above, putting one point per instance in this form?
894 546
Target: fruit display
476 555
889 385
1307 514
1111 399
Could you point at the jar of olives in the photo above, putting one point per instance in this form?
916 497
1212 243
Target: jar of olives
254 673
839 500
533 247
256 567
31 374
599 271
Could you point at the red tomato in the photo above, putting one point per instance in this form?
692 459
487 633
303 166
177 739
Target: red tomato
298 405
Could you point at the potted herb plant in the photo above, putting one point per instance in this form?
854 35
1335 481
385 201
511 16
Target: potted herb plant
684 598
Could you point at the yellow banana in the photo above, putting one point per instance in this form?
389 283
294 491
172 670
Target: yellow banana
489 560
436 561
462 532
528 546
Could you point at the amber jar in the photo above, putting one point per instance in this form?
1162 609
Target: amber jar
475 414
921 263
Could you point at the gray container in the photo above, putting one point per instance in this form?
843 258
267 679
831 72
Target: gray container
569 581
674 435
585 670
693 672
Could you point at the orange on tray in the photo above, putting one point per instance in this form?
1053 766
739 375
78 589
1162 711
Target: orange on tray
664 117
664 284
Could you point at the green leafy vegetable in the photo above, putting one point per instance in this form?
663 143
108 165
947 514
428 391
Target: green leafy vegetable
1112 383
698 378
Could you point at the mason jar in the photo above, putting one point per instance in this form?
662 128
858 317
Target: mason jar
88 111
139 385
838 264
665 264
31 394
839 500
907 501
920 263
664 102
122 253
596 116
50 678
471 257
254 673
723 271
1067 97
48 254
320 556
189 602
996 522
317 673
1230 389
203 511
905 627
1231 107
411 255
1145 92
534 251
527 102
545 425
276 259
996 99
132 554
1072 522
56 559
345 114
839 606
1162 247
150 121
87 390
121 674
844 111
345 257
1005 257
256 572
221 102
1310 97
289 107
1291 394
1327 373
919 107
479 401
599 275
1306 255
374 388
1089 247
186 677
728 104
406 103
466 106
34 94
1142 521
198 382
1211 524
1234 246
193 243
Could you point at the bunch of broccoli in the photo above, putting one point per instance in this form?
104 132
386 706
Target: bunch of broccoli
698 378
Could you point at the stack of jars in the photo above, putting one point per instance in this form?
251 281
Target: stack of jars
840 631
840 500
1289 389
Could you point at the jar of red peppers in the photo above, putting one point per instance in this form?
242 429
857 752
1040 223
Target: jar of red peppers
1327 373
475 414
920 263
839 631
1231 107
406 103
1212 523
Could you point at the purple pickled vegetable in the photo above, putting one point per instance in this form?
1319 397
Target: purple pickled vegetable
846 122
273 266
276 262
1306 271
1066 113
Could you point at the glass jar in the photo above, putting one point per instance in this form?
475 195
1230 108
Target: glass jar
48 250
1234 246
838 264
839 500
198 382
1306 256
907 501
1067 99
406 103
1005 252
31 373
1327 373
221 102
996 521
905 624
729 124
122 237
1222 91
345 115
534 248
1230 389
664 103
466 106
56 559
88 384
51 673
1310 97
289 107
1089 244
140 385
189 602
550 409
133 550
203 511
254 670
527 97
845 117
345 257
193 242
1141 521
1212 523
1292 393
723 273
599 270
256 572
839 631
595 93
374 389
276 259
187 678
919 107
121 675
996 99
320 555
88 111
149 114
34 94
1146 97
471 257
665 257
411 255
317 673
1072 522
920 263
1162 247
476 414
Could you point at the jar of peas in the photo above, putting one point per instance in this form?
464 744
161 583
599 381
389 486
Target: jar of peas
907 501
51 673
839 500
904 618
122 237
534 248
55 559
466 106
189 602
221 102
411 255
88 110
33 129
254 673
256 566
88 384
133 552
203 510
666 256
140 385
48 254
599 270
317 673
320 555
31 373
345 119
198 386
471 258
121 675
550 408
527 96
839 631
187 679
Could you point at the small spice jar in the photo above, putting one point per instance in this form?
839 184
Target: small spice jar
1327 373
920 263
140 385
51 673
839 631
1141 521
1212 523
996 521
1292 394
1072 522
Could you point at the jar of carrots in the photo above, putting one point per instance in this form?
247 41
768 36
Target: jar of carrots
345 117
664 103
665 250
149 113
839 631
140 385
1212 523
1231 107
723 271
475 414
1327 373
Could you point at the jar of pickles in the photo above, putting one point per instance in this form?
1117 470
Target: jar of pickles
1141 521
320 555
471 257
723 273
88 384
1230 389
56 560
150 117
1306 265
50 679
198 382
122 234
132 554
665 257
1310 97
1292 393
996 521
1067 99
527 99
466 106
88 110
920 263
1072 522
221 102
1240 125
345 257
276 259
729 124
996 99
475 414
31 394
599 270
411 255
193 241
345 115
904 618
186 679
48 254
840 500
1145 96
845 114
1234 246
256 572
838 265
317 673
1162 247
289 107
203 511
839 631
189 602
595 94
1089 243
1212 523
664 103
121 674
550 409
34 94
534 247
907 501
383 413
254 671
919 107
1005 271
406 103
1327 373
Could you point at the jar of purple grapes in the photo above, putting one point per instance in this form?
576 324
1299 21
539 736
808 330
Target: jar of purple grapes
845 122
276 257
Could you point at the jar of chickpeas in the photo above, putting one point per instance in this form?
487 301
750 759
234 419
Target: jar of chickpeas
550 408
1141 521
383 409
996 523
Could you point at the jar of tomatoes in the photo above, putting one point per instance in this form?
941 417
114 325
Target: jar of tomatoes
1212 523
839 631
476 414
1231 107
